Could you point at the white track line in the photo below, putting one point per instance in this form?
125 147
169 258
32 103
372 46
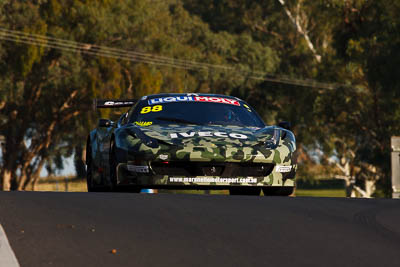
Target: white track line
7 256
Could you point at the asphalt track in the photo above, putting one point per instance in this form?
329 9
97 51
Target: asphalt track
82 229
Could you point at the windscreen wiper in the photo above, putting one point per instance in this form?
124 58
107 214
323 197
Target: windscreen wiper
178 120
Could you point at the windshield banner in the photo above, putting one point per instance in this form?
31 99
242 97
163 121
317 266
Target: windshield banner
193 99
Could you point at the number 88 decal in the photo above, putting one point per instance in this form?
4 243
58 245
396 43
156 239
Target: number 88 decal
148 109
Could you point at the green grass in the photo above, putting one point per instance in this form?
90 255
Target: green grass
61 184
320 193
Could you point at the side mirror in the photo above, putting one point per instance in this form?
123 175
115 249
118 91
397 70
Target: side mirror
122 119
285 125
105 123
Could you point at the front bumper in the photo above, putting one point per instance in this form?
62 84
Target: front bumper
205 175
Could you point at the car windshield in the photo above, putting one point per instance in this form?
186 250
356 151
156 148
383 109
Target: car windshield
225 112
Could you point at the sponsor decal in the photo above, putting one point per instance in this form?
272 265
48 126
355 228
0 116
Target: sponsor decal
247 107
137 168
163 156
113 103
282 168
206 134
193 99
248 180
151 109
143 123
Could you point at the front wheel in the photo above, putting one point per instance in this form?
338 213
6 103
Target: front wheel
278 191
89 171
113 174
113 167
245 190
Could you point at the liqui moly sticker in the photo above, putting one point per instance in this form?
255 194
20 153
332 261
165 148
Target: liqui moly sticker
210 99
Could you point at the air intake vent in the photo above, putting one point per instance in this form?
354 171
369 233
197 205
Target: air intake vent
227 169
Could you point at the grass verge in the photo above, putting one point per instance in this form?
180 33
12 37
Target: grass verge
320 193
62 184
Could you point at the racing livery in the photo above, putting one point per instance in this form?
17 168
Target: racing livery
190 141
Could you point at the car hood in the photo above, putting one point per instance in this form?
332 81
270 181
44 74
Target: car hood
199 135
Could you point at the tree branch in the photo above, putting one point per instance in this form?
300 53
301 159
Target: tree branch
264 30
299 28
128 75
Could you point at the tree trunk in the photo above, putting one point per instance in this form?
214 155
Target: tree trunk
6 180
369 187
301 31
23 179
36 175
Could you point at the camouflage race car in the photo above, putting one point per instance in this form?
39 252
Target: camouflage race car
190 141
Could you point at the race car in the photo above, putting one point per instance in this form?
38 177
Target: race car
190 141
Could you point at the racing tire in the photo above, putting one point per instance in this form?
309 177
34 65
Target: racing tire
89 171
129 189
113 174
245 190
278 191
113 167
